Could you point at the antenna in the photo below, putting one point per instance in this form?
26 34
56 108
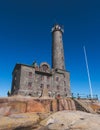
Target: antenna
91 93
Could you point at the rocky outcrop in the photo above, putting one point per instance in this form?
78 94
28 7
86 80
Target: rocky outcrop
96 107
19 104
73 120
19 121
34 106
62 120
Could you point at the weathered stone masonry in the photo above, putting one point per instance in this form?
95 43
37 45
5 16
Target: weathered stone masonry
42 80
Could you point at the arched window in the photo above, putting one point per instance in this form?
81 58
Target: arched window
45 68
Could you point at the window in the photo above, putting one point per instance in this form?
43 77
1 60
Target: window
57 78
64 75
48 77
29 84
58 87
42 85
65 83
62 67
48 86
45 67
65 89
42 77
62 58
30 74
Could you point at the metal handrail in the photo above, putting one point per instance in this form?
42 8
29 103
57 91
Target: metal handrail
83 96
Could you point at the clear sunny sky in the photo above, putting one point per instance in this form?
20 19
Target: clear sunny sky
25 36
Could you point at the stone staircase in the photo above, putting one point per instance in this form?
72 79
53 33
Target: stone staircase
83 105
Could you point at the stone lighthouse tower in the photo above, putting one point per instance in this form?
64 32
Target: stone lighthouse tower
57 48
61 77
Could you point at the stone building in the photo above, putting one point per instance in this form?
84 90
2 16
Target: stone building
41 80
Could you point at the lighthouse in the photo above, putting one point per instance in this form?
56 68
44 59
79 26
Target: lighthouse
58 61
61 77
43 80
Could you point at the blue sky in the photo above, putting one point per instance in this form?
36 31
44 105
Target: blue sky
25 36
